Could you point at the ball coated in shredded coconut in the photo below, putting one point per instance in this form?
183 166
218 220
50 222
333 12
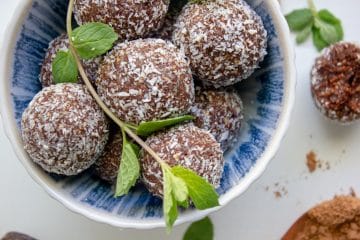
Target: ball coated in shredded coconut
221 113
61 43
224 40
131 19
107 166
63 129
187 146
335 82
144 80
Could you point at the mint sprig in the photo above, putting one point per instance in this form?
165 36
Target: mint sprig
324 26
200 230
181 185
177 190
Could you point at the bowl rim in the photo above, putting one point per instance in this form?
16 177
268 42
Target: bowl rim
11 130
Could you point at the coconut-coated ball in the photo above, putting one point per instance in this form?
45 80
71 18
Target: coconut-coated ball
187 146
224 40
335 82
63 129
107 166
221 113
61 43
131 19
144 80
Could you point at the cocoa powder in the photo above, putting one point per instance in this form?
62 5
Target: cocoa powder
337 219
311 161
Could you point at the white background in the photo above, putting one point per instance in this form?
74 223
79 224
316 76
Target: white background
257 214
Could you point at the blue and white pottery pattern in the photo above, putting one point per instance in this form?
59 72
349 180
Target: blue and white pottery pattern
262 94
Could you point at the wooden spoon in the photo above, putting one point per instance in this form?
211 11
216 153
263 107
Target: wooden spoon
296 228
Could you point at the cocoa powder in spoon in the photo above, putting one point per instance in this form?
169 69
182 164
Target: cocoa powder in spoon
337 219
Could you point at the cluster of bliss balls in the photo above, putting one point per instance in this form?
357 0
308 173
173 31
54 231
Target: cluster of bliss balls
148 76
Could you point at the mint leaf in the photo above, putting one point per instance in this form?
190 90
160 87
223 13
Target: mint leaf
328 17
340 31
64 68
327 31
326 28
318 41
200 230
147 128
304 34
129 170
180 191
93 39
201 192
299 19
169 201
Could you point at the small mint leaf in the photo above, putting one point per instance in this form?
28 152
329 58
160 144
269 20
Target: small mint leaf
340 31
93 39
201 192
129 170
327 31
299 19
328 17
304 34
200 230
147 128
64 68
169 202
180 190
318 41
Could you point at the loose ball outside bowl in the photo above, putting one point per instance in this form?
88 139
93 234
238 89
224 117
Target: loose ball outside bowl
268 98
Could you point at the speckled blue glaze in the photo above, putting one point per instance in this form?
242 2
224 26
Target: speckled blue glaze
262 95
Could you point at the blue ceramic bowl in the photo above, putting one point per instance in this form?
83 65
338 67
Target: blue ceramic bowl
268 97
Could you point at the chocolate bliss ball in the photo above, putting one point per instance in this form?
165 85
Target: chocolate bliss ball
107 166
63 129
224 40
221 113
131 19
187 146
61 43
335 82
144 80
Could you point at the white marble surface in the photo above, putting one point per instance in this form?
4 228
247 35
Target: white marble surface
257 214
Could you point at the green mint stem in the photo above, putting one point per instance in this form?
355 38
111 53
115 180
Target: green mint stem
92 91
312 7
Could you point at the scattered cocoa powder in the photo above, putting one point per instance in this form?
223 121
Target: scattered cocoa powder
278 190
277 194
311 161
337 219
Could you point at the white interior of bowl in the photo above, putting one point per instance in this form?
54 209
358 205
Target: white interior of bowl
43 179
